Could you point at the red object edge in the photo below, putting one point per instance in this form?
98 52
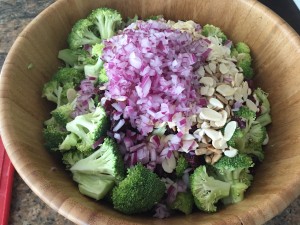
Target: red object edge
6 181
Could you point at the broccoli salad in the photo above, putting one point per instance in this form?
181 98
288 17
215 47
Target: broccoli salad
157 116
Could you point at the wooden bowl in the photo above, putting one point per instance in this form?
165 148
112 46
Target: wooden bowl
276 52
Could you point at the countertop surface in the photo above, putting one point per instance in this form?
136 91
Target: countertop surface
26 207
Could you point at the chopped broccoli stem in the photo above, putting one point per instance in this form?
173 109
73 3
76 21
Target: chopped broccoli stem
92 185
264 119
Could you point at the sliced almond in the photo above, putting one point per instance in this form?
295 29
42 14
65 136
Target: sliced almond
201 151
210 114
201 71
210 91
225 90
208 81
222 122
212 66
215 158
229 130
169 164
238 79
221 98
204 90
223 68
216 103
213 134
231 152
220 143
251 105
207 159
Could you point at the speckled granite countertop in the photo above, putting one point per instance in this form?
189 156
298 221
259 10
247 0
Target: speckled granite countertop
26 207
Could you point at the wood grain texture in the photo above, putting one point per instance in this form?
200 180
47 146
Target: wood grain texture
276 50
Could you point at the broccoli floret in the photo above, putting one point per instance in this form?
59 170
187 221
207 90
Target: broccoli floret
181 165
247 115
263 99
211 30
68 75
73 156
88 128
229 170
254 149
73 57
62 114
244 61
106 162
52 91
97 49
184 202
62 81
157 17
138 192
264 119
103 76
242 47
128 22
92 185
93 70
70 142
237 135
82 34
234 52
53 136
207 191
107 21
257 133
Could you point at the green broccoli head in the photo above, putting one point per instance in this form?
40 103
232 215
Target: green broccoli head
257 133
242 47
106 162
103 76
181 165
263 99
81 34
53 136
53 92
207 191
88 128
210 30
246 115
264 119
92 185
62 81
244 61
71 57
62 114
97 49
93 70
237 136
68 75
106 20
254 149
184 202
229 168
237 191
235 171
138 192
73 156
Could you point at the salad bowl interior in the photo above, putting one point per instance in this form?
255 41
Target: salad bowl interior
276 53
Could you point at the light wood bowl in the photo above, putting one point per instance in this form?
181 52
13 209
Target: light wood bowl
276 52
